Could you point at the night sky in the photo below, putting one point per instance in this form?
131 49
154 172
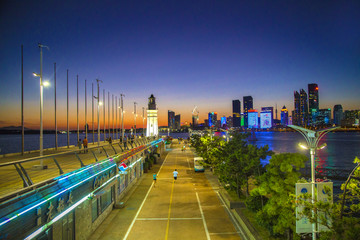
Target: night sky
186 53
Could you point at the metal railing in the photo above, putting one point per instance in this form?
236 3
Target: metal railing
58 164
329 173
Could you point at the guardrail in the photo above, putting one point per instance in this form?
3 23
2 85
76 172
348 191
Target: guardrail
329 173
59 163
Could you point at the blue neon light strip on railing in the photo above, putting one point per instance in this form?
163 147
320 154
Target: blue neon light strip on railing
81 170
66 189
69 188
41 229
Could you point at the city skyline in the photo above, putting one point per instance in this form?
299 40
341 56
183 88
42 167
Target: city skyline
187 54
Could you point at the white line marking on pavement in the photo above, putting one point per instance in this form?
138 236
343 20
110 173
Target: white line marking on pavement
203 218
232 218
224 233
142 204
177 179
165 219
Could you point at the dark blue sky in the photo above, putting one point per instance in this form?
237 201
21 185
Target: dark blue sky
186 53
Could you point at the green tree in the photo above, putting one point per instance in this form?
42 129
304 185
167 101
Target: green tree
239 162
209 148
277 184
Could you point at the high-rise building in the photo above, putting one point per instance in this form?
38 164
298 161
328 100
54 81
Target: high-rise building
206 122
266 119
323 117
223 122
253 119
236 107
177 122
269 109
338 114
313 91
351 118
248 105
152 121
304 113
195 117
229 121
215 121
296 112
284 116
171 119
212 119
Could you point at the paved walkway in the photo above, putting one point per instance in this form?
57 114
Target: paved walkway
186 208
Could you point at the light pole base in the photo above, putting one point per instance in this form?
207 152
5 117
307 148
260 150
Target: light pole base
39 167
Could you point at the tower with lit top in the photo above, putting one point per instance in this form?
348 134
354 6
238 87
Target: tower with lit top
152 120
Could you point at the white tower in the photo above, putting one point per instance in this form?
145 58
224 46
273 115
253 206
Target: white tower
152 120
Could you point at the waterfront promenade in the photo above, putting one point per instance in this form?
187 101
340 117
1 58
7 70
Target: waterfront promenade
188 208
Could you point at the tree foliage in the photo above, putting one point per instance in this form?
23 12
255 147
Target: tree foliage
209 148
240 161
277 184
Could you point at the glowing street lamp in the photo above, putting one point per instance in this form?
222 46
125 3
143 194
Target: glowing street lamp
98 109
312 138
135 118
122 116
42 84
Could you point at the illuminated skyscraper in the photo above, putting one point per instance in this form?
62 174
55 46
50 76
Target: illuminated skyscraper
152 121
304 113
296 112
171 119
284 116
269 109
253 119
338 114
313 91
213 119
323 117
248 105
266 119
195 117
223 122
177 122
229 121
236 107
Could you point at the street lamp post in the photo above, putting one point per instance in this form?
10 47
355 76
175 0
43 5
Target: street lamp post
135 119
143 120
122 116
56 137
312 139
92 110
77 108
116 118
86 124
98 110
112 111
42 84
